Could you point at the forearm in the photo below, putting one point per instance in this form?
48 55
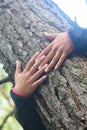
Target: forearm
79 38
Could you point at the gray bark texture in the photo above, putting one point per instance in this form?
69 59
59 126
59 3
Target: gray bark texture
62 100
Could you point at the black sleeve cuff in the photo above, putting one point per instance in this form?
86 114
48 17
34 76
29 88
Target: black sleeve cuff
79 38
20 100
26 113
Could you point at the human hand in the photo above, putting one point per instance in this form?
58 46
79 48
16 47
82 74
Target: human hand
29 79
57 50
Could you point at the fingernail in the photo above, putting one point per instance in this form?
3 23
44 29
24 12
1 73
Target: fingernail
43 56
45 33
55 67
37 52
45 76
46 70
39 67
45 65
17 61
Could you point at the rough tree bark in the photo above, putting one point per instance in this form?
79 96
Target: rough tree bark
62 101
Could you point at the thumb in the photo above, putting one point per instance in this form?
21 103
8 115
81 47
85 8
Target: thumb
18 68
50 35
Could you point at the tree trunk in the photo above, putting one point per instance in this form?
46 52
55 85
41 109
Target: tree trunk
62 100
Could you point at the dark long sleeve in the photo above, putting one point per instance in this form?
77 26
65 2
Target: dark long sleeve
25 113
79 38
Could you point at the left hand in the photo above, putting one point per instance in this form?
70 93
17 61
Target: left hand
30 78
56 51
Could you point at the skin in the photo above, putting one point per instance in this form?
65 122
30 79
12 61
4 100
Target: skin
57 51
30 78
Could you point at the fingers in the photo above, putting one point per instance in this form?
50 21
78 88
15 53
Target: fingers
48 58
61 60
49 47
39 81
53 61
38 73
45 51
52 36
18 68
31 62
36 65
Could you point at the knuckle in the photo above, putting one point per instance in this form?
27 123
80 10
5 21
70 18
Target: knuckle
25 75
50 66
60 49
41 71
53 51
33 67
65 54
32 85
44 62
54 59
54 48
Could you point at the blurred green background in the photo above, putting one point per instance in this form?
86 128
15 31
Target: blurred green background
7 119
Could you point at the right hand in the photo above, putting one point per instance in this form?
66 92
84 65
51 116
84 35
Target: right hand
57 51
29 79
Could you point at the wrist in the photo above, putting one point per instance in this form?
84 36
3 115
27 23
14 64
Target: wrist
17 92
